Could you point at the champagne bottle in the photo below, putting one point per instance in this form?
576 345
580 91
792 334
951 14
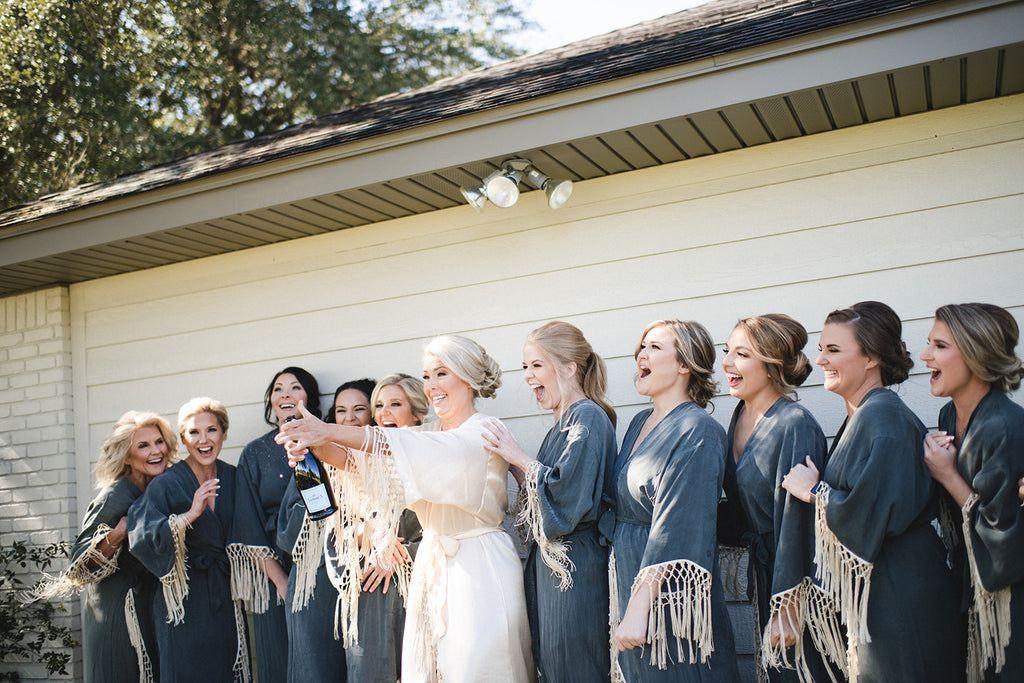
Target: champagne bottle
314 485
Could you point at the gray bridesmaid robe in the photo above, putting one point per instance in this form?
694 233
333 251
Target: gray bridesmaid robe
991 460
570 628
881 507
263 475
666 497
204 645
109 655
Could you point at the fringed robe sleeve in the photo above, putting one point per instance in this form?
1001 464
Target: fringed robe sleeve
667 493
991 460
878 555
199 628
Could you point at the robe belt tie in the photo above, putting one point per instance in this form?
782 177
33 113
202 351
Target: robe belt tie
218 573
437 548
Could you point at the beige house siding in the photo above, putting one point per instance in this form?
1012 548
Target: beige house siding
916 211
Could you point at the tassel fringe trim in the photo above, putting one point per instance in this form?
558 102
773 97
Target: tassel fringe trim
242 669
613 619
845 578
680 610
249 580
803 606
306 557
175 582
131 619
553 552
988 622
91 566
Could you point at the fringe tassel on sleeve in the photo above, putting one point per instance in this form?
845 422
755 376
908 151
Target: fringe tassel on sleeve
175 582
803 606
846 579
249 580
613 619
680 609
988 622
553 552
306 558
92 565
131 619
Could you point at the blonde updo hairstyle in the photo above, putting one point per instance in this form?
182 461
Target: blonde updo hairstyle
777 340
986 336
202 404
413 390
112 464
469 361
695 350
564 345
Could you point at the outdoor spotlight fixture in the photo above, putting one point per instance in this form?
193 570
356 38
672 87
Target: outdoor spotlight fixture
502 186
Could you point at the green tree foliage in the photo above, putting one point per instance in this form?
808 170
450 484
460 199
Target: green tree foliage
93 89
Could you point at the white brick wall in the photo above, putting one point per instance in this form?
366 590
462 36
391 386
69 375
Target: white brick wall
37 445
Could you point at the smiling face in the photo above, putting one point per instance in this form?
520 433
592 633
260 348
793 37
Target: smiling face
203 437
848 371
392 408
747 375
147 456
352 408
950 375
285 396
658 368
448 394
541 375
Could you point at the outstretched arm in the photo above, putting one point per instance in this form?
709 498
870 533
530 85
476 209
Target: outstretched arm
327 441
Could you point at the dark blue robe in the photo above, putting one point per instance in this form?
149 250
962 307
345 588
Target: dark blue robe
666 495
991 460
263 475
882 507
570 628
203 647
108 652
777 527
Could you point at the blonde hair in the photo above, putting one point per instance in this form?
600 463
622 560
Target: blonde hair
469 361
202 404
777 340
696 351
565 344
112 464
986 336
411 387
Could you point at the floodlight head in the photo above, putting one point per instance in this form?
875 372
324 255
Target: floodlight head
557 191
475 196
503 185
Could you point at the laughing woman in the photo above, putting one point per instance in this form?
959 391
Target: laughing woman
259 570
667 482
978 457
466 617
878 555
119 643
770 433
567 560
179 530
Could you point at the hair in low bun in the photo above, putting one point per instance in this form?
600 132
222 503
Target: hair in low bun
778 341
469 361
878 332
986 336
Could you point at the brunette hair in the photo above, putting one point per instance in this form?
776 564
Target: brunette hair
363 386
203 404
878 332
777 340
696 351
565 344
469 361
411 387
112 464
309 385
986 336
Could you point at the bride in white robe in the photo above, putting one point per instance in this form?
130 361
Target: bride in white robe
466 614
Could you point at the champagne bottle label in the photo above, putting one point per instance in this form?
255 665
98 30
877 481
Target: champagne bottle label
316 498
